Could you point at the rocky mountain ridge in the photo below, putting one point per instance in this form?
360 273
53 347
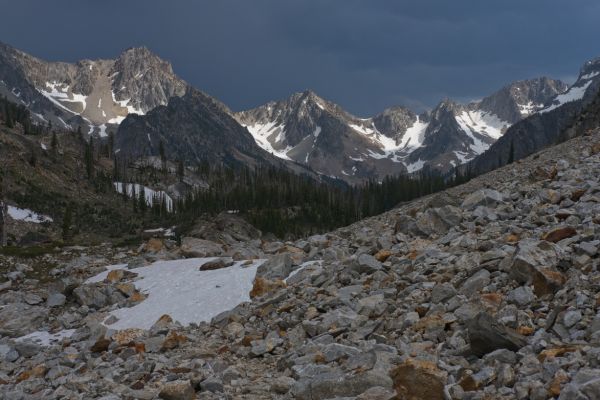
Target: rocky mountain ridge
312 131
95 95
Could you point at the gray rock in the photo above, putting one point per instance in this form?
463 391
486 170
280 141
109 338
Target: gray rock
56 300
486 335
367 264
27 349
483 197
8 353
571 318
277 267
91 295
442 292
372 306
177 390
18 319
585 385
327 386
475 283
193 247
212 384
282 384
522 296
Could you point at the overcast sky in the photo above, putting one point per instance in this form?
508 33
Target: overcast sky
365 55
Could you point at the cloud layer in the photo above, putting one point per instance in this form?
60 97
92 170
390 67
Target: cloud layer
364 55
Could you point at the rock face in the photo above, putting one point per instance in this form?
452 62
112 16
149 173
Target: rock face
454 296
94 95
193 128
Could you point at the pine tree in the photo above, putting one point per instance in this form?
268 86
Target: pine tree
163 156
511 154
142 200
89 158
134 198
54 142
180 170
3 212
67 222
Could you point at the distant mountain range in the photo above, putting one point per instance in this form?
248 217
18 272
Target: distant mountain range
138 97
313 131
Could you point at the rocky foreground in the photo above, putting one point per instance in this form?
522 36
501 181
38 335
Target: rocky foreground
487 291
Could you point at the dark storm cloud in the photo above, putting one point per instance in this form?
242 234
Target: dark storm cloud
364 55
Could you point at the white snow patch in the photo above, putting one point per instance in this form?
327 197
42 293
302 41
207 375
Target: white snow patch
102 132
116 120
150 195
415 166
100 103
26 215
573 94
43 146
590 75
40 116
46 339
462 156
411 140
483 123
263 136
470 128
178 288
529 108
414 136
59 94
358 159
317 132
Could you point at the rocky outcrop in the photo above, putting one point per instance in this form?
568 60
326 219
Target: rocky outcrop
459 295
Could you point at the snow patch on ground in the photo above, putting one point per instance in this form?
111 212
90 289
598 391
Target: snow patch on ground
590 75
573 94
529 108
414 136
483 123
178 288
58 93
151 195
415 166
116 120
102 132
411 140
263 136
26 215
357 159
467 125
46 339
